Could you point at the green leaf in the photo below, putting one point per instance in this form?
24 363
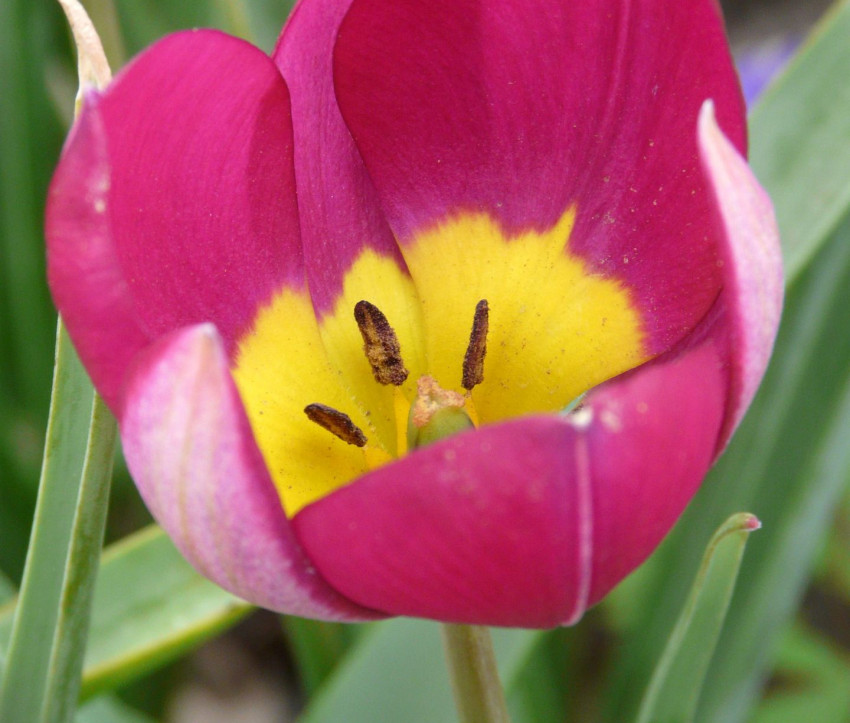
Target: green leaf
397 672
547 685
318 647
41 676
82 564
835 565
29 131
259 22
150 607
30 139
809 682
676 682
794 459
7 589
266 19
108 709
800 141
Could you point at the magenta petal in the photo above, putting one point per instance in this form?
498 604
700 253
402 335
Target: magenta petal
204 211
486 527
651 437
190 449
752 265
85 277
192 146
340 212
529 522
521 108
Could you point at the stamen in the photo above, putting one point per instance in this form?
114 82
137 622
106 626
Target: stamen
380 344
336 423
473 360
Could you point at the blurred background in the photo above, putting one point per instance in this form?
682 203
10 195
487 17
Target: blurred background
249 674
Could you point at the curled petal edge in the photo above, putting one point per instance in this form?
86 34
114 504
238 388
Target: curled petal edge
189 447
751 300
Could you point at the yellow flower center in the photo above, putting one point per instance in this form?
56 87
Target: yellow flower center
554 329
436 412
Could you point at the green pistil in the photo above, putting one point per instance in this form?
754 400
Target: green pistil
435 414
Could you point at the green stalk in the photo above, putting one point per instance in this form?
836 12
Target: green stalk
475 679
41 679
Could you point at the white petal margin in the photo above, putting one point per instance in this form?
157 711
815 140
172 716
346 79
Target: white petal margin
752 264
192 454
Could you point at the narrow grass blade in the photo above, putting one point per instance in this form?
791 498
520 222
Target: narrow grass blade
150 607
82 566
41 676
800 141
677 680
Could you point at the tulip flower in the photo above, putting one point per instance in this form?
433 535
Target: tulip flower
443 310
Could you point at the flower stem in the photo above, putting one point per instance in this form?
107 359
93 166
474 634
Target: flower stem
475 680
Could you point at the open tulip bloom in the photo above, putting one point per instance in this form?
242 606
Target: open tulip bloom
444 310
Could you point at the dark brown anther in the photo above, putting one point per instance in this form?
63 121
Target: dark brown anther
380 344
336 423
473 360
